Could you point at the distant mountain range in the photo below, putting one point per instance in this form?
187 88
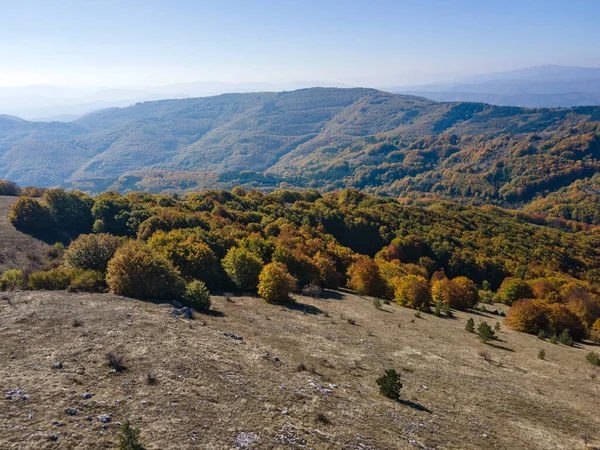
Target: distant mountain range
326 138
57 103
543 86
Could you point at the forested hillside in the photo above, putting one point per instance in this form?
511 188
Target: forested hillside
322 138
445 252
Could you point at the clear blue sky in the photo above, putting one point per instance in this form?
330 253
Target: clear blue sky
153 42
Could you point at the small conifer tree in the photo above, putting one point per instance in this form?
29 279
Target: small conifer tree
390 384
470 327
129 438
485 332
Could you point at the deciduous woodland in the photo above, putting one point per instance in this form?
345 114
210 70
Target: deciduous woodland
436 255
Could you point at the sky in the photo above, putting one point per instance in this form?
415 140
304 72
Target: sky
370 42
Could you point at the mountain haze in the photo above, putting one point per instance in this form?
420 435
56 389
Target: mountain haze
326 138
541 86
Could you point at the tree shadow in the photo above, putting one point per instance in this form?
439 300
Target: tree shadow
415 405
212 313
500 347
302 307
331 295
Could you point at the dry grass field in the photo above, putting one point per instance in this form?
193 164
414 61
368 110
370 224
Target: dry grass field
299 377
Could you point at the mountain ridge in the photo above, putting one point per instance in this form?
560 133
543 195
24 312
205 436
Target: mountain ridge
324 138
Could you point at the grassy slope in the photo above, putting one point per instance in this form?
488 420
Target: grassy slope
212 388
18 250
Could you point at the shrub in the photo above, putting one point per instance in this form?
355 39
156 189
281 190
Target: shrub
30 216
92 251
438 309
485 332
529 316
377 303
542 354
562 318
446 310
197 296
88 281
541 335
275 283
364 277
468 292
57 250
565 338
593 358
412 291
9 188
583 304
512 290
72 211
115 362
470 326
190 254
497 327
312 290
52 280
138 271
243 267
460 293
12 279
129 438
486 356
390 384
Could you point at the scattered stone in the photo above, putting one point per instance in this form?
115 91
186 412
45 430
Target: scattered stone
71 411
425 388
285 412
104 418
87 396
56 423
16 394
58 365
233 336
53 437
89 418
485 435
245 439
185 312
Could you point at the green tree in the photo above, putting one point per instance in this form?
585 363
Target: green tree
140 272
197 296
30 216
485 332
470 327
390 384
92 251
513 289
129 437
72 211
243 267
275 284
